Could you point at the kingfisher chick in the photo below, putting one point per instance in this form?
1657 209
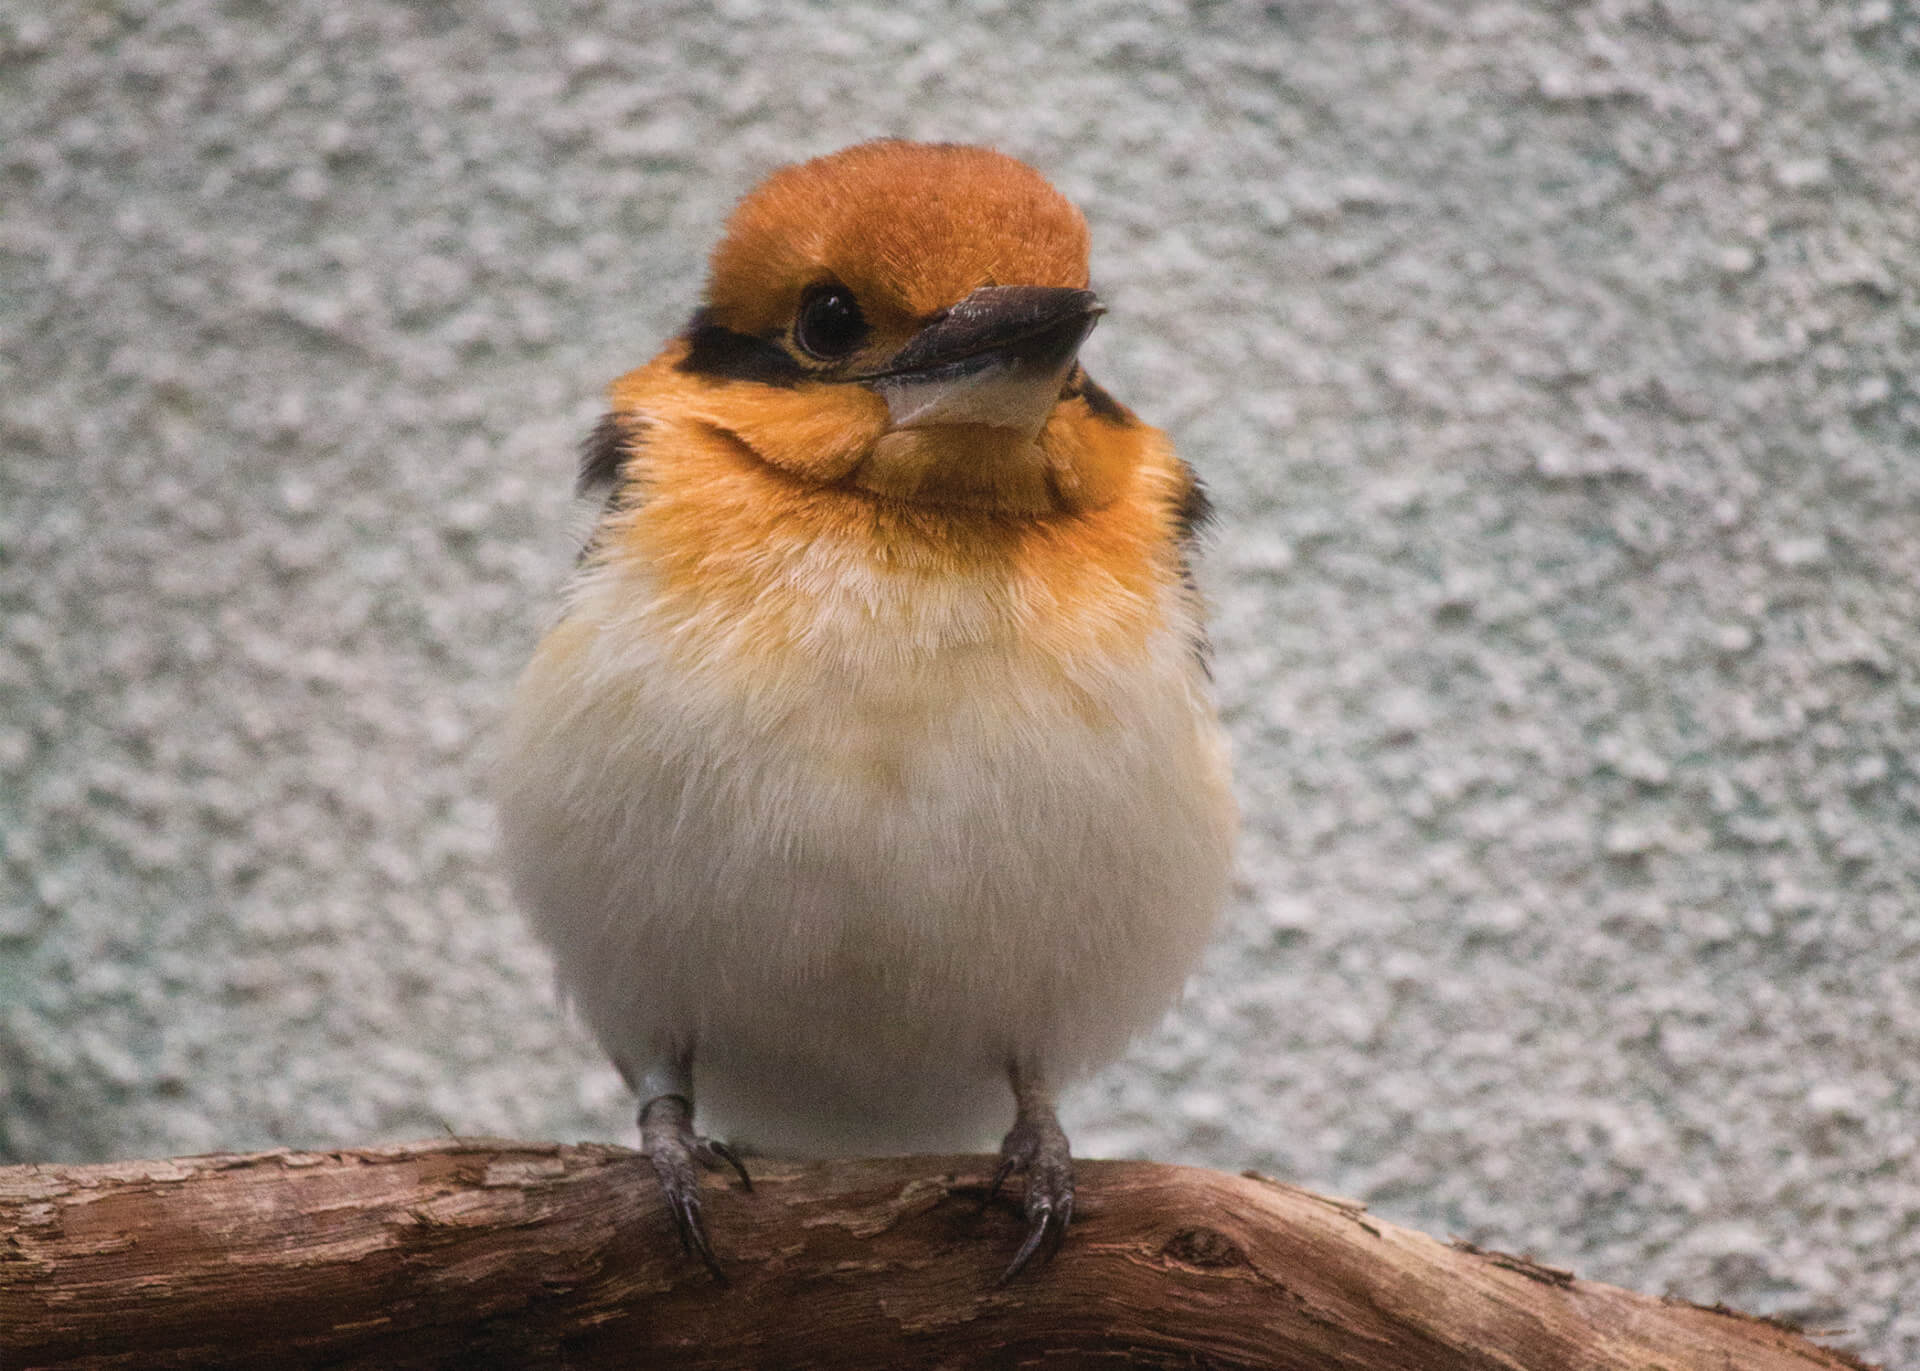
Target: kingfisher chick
870 771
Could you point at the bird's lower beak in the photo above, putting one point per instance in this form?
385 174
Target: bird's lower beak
997 358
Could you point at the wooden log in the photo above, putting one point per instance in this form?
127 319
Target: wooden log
479 1253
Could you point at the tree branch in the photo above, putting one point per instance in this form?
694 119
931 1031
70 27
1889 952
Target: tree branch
473 1253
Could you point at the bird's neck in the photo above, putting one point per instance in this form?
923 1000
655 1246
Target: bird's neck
733 556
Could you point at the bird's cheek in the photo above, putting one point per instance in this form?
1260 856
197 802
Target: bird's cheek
819 432
1090 465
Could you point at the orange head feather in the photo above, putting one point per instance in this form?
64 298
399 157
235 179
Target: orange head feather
902 320
910 228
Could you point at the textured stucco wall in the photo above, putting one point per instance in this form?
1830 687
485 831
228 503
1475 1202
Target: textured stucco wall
1554 367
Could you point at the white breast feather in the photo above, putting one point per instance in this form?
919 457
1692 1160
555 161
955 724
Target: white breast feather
863 875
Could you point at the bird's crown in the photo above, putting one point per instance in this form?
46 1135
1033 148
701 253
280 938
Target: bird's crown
905 229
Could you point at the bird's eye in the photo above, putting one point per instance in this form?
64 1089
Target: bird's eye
830 325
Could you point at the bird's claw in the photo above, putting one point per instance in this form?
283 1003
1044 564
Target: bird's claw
1038 1148
678 1154
715 1154
680 1183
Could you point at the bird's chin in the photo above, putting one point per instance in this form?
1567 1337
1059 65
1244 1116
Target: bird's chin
960 466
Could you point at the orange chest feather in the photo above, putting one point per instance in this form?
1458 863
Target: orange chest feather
740 561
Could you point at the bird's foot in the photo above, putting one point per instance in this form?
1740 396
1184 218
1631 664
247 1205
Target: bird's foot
1037 1147
678 1154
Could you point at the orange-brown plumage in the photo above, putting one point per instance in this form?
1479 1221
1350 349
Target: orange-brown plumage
721 480
974 217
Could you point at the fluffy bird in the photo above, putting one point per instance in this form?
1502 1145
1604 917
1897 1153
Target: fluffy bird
870 771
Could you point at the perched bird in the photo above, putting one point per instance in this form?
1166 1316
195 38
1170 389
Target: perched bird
871 768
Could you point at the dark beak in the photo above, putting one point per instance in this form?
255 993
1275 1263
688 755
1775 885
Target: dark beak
998 358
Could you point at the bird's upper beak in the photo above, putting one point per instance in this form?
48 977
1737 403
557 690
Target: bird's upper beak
996 358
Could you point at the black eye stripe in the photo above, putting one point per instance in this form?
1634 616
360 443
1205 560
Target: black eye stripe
726 355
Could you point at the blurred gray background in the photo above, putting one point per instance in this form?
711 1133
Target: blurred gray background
1553 366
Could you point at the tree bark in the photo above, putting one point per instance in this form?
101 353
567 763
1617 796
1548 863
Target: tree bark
478 1253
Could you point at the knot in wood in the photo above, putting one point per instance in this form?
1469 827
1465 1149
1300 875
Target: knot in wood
1203 1247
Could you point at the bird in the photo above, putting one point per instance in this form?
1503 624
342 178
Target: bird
869 777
